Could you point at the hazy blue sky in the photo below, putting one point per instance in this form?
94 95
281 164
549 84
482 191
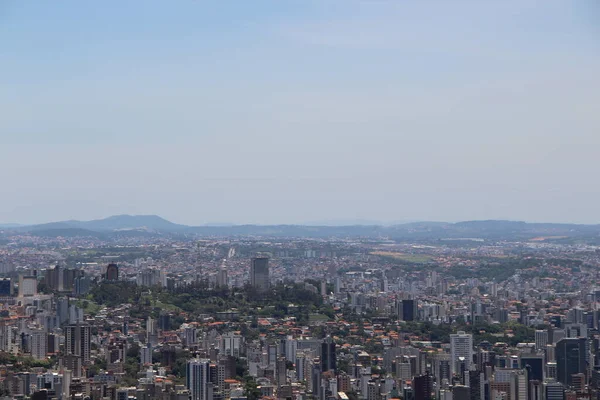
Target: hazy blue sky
299 110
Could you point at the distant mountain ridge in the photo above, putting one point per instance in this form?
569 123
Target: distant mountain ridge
144 225
110 224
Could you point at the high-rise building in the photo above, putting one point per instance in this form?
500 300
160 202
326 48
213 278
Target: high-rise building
190 336
151 277
232 344
344 383
54 278
61 279
222 277
68 278
112 272
328 357
77 341
476 385
461 351
570 359
461 392
550 353
541 339
534 365
198 379
575 330
82 285
27 286
579 382
554 391
407 310
272 350
39 344
551 370
281 371
423 386
6 268
164 321
259 273
403 369
535 390
151 331
337 287
5 287
291 347
441 366
146 355
519 385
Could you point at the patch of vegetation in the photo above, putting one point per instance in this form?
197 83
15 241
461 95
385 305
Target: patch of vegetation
198 298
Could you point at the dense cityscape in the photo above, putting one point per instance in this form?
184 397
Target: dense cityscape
144 314
299 200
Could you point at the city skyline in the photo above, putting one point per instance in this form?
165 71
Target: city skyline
299 200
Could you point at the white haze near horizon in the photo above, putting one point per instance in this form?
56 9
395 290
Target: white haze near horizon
297 112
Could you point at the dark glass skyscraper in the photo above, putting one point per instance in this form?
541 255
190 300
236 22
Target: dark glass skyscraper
423 386
475 378
112 272
259 273
570 359
534 366
5 287
407 310
328 357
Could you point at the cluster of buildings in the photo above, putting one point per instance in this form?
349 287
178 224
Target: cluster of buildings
383 332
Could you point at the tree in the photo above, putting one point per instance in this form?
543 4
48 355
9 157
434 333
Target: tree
250 389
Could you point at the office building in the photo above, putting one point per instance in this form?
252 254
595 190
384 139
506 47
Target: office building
461 392
328 357
570 359
232 344
578 382
407 310
534 365
290 347
151 277
535 390
54 278
554 391
77 341
112 272
280 371
461 352
146 355
259 273
27 286
198 379
541 339
5 287
222 277
82 285
39 344
423 386
476 385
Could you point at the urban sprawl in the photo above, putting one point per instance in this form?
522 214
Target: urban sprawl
176 317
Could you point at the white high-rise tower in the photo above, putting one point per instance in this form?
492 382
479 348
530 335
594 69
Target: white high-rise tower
461 351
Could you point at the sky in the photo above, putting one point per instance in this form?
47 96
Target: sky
300 111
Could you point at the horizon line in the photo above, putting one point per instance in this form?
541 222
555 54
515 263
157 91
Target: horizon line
325 223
